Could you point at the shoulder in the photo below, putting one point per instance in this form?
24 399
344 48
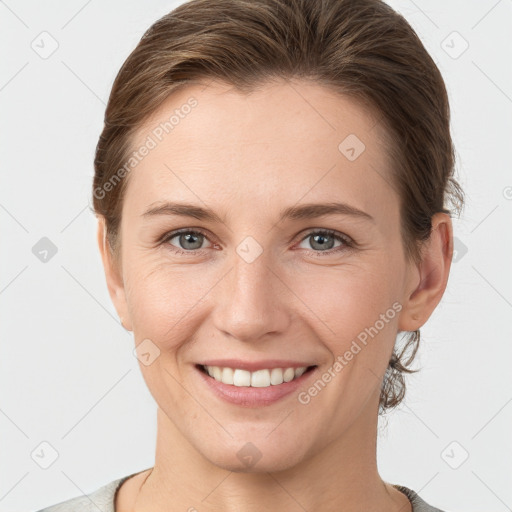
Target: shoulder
101 499
418 504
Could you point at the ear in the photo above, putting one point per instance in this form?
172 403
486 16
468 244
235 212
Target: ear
113 276
429 278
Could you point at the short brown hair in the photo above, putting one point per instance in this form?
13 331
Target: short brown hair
362 49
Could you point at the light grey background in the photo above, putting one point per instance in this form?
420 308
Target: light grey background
68 374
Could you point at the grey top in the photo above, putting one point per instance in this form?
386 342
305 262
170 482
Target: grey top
103 500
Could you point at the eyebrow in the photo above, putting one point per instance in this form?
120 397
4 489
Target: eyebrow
300 212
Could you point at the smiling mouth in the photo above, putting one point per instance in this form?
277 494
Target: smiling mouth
258 379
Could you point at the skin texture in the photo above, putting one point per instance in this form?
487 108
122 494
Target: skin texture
247 157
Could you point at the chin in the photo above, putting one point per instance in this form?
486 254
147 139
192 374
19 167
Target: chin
256 456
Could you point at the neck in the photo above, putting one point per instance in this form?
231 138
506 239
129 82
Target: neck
342 475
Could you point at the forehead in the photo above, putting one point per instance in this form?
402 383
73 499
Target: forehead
289 112
291 139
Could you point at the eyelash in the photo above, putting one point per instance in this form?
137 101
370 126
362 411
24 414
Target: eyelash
348 243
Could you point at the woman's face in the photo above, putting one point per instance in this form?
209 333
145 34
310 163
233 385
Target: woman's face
254 277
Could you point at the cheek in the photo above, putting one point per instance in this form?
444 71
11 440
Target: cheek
162 299
167 302
346 299
356 313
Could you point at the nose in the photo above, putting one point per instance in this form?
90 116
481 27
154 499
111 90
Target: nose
252 300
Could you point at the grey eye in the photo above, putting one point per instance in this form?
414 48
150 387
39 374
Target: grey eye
187 240
322 241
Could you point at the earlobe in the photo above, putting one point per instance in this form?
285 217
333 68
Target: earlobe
113 276
433 272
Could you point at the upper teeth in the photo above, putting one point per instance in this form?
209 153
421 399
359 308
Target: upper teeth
257 379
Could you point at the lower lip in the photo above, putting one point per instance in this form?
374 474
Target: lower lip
247 396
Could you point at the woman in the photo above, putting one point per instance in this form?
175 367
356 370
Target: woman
271 187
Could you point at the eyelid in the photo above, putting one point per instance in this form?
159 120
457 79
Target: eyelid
332 232
171 234
348 242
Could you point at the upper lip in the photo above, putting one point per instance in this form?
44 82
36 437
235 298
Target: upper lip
253 366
